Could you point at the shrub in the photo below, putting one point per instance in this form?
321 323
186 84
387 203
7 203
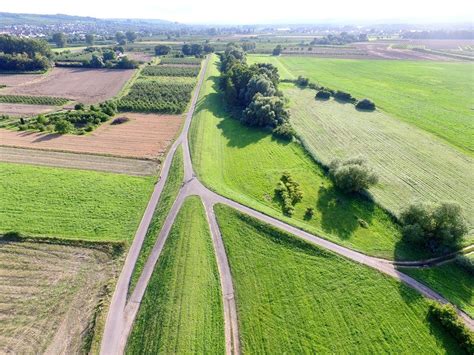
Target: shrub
309 213
79 106
302 81
446 315
466 263
289 192
323 95
284 131
435 225
352 175
365 104
63 127
343 96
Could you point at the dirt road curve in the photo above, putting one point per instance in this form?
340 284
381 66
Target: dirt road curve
122 314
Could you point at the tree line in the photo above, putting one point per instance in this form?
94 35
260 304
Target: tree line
24 54
253 90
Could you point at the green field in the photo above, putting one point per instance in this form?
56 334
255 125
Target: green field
410 163
295 298
181 312
434 96
451 280
245 164
71 203
167 198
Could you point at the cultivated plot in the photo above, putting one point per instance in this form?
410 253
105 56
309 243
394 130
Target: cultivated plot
181 312
89 86
71 203
293 297
50 293
143 136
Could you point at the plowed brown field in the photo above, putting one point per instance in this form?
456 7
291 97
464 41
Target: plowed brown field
145 136
88 86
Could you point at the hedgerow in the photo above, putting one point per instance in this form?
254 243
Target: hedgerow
157 96
34 100
185 60
162 70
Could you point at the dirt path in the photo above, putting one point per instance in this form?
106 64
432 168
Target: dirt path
122 315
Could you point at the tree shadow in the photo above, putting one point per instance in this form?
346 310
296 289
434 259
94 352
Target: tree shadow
47 137
341 215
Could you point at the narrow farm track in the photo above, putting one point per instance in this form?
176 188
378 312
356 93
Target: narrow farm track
122 313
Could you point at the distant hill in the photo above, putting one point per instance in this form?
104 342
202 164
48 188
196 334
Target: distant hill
8 19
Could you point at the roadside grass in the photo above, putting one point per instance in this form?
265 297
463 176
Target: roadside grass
410 163
295 298
167 198
72 204
451 280
181 312
51 295
434 96
245 164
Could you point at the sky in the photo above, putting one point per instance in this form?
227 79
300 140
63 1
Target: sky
255 11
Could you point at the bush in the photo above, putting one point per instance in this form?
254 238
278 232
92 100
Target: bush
343 96
289 192
79 106
446 315
63 127
284 131
309 213
466 263
365 104
302 81
120 120
435 225
352 175
323 95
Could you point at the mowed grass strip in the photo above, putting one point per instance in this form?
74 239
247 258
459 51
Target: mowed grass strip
295 298
450 280
70 203
410 163
181 312
167 198
434 96
245 164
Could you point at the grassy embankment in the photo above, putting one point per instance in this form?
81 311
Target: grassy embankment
293 297
181 311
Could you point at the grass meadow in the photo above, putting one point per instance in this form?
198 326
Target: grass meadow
181 312
295 298
167 198
450 280
73 204
434 96
245 164
410 163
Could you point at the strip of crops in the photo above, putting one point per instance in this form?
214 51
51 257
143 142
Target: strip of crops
155 96
162 70
33 100
192 61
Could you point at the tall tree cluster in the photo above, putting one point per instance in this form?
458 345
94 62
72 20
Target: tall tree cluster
253 90
23 54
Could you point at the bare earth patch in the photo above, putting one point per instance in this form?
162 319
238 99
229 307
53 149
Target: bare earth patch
49 294
82 161
19 79
145 136
88 86
24 109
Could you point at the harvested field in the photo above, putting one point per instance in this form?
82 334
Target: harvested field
49 295
127 166
24 109
144 136
19 79
139 56
88 86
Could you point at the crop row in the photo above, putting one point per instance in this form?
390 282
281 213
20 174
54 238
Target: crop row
163 70
152 96
33 100
187 60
